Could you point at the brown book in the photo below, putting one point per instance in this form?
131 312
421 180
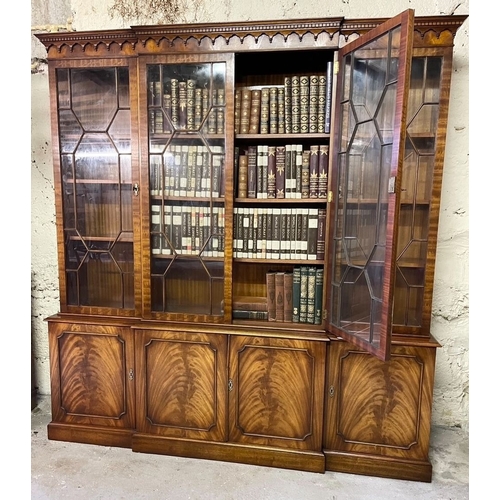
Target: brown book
288 296
311 294
273 110
246 102
249 303
280 296
237 111
255 112
242 176
271 295
323 171
304 185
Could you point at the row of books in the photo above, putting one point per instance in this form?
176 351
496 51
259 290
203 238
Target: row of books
187 230
295 297
185 106
301 105
188 170
288 171
279 233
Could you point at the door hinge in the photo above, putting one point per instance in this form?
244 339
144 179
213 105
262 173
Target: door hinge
131 374
230 385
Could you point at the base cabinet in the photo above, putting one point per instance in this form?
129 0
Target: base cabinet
248 399
92 383
378 414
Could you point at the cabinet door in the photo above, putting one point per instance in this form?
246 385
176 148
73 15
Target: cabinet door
369 147
276 392
182 384
184 119
94 186
378 414
92 382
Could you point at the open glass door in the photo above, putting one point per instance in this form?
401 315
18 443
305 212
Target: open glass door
369 146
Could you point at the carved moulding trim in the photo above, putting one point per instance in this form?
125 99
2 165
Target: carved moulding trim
227 31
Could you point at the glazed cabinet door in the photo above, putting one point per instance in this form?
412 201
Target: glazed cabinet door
184 116
181 384
275 392
369 146
95 171
378 414
92 383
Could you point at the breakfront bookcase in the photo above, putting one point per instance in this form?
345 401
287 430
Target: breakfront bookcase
146 352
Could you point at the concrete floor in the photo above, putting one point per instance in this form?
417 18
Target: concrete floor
78 471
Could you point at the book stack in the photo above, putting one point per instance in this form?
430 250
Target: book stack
279 233
300 105
288 171
245 307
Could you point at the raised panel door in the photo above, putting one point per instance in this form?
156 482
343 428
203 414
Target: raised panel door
276 391
182 384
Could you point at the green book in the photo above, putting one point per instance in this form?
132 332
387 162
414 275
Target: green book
296 294
318 296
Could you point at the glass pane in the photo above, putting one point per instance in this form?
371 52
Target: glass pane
95 139
366 131
416 190
186 106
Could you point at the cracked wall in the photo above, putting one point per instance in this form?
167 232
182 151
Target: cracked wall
450 323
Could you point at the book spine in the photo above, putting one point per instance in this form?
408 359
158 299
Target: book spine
298 170
205 173
281 110
198 108
212 116
243 176
313 103
271 295
191 161
219 115
246 104
288 297
167 106
295 104
295 294
304 234
260 171
177 228
323 171
255 112
155 229
167 218
244 303
246 232
287 90
280 171
305 174
217 165
312 234
265 159
321 240
276 233
283 254
252 171
311 289
328 96
271 172
303 295
184 168
190 88
288 171
314 172
264 110
280 296
304 103
198 171
318 296
269 225
237 111
321 102
174 92
240 314
182 105
273 110
264 235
